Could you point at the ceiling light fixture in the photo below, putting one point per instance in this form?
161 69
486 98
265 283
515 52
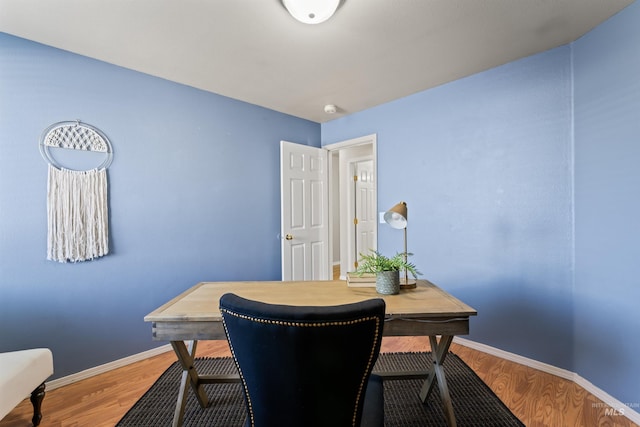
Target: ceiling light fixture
311 11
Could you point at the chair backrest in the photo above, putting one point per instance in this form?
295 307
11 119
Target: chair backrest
303 365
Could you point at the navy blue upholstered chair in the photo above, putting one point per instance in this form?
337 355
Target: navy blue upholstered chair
307 366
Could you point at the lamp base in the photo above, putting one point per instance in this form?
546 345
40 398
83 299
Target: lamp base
407 283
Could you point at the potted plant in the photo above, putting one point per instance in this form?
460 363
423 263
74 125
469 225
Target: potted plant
386 269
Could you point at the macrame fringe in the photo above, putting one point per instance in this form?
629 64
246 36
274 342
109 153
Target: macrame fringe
78 217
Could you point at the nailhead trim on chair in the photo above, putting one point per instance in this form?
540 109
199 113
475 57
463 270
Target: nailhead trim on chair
302 324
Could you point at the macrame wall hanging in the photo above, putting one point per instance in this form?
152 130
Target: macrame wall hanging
77 208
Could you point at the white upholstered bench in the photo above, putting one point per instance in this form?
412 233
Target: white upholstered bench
22 373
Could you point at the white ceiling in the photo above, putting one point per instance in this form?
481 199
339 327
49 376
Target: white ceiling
369 53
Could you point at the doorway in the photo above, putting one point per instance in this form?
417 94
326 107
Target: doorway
352 202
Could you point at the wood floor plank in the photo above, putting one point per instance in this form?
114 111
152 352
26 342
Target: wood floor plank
535 397
538 398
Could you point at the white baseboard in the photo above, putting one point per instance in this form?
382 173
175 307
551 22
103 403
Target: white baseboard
617 408
88 373
544 367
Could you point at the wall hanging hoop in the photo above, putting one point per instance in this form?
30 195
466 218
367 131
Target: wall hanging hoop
75 135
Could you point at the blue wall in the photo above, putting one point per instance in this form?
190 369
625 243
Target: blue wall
182 158
484 164
607 205
487 166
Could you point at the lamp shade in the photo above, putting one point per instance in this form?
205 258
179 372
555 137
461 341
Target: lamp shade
396 217
311 11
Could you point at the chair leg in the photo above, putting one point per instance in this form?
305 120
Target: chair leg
37 396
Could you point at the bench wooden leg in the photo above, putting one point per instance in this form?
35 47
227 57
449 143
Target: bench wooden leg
37 396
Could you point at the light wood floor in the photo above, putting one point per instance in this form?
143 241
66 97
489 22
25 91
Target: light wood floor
536 398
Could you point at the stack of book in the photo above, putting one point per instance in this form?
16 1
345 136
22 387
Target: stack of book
364 280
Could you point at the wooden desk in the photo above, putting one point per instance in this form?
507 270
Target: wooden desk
424 311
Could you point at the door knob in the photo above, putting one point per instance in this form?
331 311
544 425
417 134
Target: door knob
289 236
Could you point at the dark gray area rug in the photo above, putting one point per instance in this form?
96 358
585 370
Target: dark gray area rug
474 403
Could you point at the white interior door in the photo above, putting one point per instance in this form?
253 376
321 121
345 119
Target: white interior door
365 206
358 201
304 212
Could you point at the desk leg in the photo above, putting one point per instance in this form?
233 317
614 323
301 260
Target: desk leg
439 350
189 377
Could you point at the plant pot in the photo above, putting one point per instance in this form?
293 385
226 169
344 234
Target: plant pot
388 282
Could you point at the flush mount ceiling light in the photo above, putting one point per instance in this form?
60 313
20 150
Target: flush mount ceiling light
311 11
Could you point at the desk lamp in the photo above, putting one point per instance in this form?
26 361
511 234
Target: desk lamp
396 217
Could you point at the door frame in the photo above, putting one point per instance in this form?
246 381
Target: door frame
333 148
